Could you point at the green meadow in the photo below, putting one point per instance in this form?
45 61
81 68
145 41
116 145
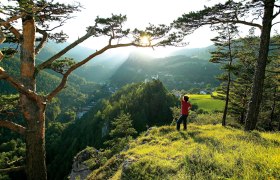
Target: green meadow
202 152
206 102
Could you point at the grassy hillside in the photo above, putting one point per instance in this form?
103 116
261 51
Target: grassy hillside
206 102
202 152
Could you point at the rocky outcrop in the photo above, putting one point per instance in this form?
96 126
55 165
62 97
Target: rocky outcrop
84 162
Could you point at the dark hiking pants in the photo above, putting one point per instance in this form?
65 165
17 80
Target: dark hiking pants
183 119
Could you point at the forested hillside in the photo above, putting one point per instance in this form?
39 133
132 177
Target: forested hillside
72 112
176 72
77 94
148 104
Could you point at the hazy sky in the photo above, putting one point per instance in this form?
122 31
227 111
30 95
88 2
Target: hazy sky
139 13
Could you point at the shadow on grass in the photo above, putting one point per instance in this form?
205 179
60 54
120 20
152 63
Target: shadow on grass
256 138
183 135
204 140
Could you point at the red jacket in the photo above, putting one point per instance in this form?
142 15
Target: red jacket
185 106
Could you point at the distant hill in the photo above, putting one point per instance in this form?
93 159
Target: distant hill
183 69
176 72
200 53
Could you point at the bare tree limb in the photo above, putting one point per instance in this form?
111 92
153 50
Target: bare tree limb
42 42
13 126
11 28
58 26
2 39
62 52
17 85
15 161
72 68
13 18
216 20
276 14
13 169
275 23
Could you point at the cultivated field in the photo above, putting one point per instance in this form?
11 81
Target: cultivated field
206 102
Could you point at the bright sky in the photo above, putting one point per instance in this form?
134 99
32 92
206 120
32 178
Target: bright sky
139 13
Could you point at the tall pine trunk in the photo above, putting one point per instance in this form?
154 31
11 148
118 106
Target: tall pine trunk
242 117
227 100
272 109
259 75
229 80
35 143
33 110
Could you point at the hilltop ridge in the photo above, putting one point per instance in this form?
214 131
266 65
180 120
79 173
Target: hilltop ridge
202 152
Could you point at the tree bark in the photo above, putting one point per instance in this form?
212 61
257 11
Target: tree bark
229 78
279 124
259 74
227 99
35 145
32 109
272 109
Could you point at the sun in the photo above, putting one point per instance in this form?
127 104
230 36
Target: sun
145 40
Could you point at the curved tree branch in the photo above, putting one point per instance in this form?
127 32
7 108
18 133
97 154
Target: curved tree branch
11 28
62 52
13 18
42 42
13 169
72 68
13 126
275 23
2 39
18 86
237 21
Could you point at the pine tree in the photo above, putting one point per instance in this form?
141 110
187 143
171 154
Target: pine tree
37 18
246 53
270 103
237 13
224 54
121 132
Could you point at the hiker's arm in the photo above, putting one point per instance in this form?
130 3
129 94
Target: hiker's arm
181 97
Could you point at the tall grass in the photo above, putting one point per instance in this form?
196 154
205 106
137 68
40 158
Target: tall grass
202 152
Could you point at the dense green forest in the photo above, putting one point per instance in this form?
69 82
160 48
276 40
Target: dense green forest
147 103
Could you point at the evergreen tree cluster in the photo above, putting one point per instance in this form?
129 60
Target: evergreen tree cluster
135 106
241 69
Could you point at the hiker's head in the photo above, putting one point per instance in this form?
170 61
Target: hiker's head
186 98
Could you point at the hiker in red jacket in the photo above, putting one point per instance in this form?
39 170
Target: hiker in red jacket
185 107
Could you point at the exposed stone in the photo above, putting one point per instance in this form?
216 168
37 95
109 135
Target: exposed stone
105 129
126 166
149 130
81 169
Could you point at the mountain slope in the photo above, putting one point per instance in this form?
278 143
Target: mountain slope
72 97
202 152
176 72
148 103
200 53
